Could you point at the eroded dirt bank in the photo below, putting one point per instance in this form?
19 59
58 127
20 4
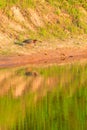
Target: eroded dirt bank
58 55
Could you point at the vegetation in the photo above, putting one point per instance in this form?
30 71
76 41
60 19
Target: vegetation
59 102
71 16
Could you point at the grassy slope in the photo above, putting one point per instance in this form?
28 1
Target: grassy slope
43 20
71 16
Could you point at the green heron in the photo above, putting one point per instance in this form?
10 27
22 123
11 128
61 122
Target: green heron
29 41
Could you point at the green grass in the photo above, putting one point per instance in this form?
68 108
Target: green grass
56 105
23 3
65 27
71 7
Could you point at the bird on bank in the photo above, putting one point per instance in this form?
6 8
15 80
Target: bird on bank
29 41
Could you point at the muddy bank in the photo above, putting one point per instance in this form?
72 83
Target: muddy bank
59 55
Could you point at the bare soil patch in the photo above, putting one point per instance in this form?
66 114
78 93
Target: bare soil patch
45 57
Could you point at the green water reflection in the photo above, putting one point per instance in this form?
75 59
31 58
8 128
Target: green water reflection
54 98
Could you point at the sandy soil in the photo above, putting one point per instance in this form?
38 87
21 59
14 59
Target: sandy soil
55 55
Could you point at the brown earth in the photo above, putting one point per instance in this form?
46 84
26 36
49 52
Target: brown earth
45 57
23 22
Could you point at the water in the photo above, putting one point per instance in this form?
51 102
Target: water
45 98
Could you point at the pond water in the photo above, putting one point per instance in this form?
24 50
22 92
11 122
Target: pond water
44 98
